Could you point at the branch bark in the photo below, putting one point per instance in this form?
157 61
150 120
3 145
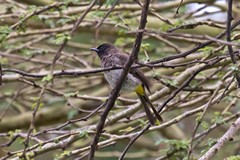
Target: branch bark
232 131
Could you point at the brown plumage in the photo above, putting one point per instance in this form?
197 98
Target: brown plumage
111 56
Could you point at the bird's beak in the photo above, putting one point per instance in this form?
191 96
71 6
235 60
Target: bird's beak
94 49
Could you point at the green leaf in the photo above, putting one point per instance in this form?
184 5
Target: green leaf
3 60
217 118
227 114
21 141
233 157
56 140
31 8
10 134
63 21
28 52
96 14
198 117
165 27
178 22
178 144
83 134
109 2
128 129
145 46
118 102
62 155
47 78
50 23
170 81
205 125
37 103
22 27
4 32
155 73
71 94
60 38
211 142
122 32
234 68
41 105
142 122
72 113
122 41
207 50
177 148
34 98
194 83
34 105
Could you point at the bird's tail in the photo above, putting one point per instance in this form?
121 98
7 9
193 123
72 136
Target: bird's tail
145 102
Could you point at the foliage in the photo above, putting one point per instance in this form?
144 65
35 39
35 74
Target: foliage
53 91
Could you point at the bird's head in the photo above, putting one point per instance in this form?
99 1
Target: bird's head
105 49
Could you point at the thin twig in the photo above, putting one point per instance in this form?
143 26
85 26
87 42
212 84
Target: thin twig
107 14
77 23
73 121
81 72
31 128
201 45
201 117
178 9
5 109
36 12
228 36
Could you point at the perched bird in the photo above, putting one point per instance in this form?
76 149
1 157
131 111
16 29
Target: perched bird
111 56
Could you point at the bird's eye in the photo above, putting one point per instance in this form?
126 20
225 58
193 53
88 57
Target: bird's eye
101 48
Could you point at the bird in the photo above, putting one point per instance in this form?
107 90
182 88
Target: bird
136 81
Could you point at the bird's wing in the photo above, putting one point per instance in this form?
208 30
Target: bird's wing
122 59
139 74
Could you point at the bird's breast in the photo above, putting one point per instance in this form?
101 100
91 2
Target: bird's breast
129 84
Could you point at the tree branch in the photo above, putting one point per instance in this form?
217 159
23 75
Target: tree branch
114 94
232 131
228 36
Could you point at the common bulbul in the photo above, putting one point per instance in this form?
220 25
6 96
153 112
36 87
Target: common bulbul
111 56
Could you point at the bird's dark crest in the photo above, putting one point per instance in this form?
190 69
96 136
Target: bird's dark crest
105 49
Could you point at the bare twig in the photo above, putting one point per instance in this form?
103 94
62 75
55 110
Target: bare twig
73 121
36 12
201 45
178 9
9 104
81 72
77 23
228 36
31 128
199 121
107 14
